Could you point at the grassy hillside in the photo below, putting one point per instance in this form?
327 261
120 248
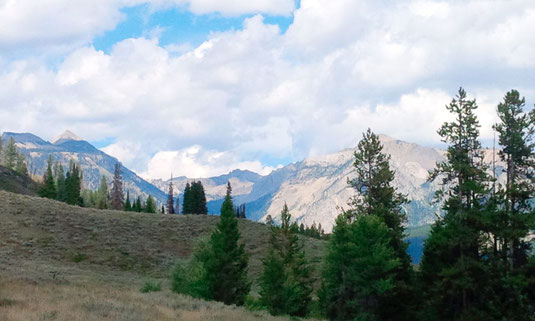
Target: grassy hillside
91 263
14 182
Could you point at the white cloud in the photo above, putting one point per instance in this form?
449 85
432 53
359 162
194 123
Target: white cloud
257 93
195 162
230 7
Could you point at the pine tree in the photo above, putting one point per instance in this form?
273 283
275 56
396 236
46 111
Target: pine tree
226 266
198 198
10 154
186 199
49 186
138 207
117 195
453 271
162 210
20 165
150 205
516 130
73 185
59 174
127 203
360 269
177 204
376 193
170 200
102 194
286 286
378 197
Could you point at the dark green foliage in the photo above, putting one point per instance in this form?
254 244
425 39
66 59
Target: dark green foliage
286 286
10 154
378 197
117 195
240 211
186 200
360 271
151 286
453 267
102 193
376 194
150 205
137 206
127 203
170 199
194 199
20 165
49 185
190 278
226 265
515 211
73 185
59 174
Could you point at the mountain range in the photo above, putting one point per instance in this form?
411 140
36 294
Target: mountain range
315 189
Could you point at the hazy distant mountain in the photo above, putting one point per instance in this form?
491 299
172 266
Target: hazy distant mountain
93 162
316 188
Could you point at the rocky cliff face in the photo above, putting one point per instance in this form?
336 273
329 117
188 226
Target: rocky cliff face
316 189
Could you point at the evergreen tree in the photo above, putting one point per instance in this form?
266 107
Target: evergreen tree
127 203
117 195
286 286
59 174
516 130
177 204
453 270
377 196
10 154
186 199
102 194
226 266
73 185
162 210
198 199
49 186
360 269
138 207
170 200
20 165
150 205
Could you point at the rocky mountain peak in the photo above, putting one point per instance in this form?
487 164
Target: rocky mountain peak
65 136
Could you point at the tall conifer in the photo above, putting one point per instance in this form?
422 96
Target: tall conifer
117 195
226 266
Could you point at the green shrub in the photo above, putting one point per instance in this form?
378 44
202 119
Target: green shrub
79 257
151 286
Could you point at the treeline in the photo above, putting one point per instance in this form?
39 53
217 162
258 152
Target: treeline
477 263
11 158
66 186
314 231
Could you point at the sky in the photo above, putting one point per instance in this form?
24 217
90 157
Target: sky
197 88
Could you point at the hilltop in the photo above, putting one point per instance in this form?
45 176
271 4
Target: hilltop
51 252
15 182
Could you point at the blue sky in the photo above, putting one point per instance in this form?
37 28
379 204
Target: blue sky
202 87
175 26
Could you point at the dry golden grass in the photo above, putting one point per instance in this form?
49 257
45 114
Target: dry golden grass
73 294
59 262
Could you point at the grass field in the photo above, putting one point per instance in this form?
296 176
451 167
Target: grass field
59 262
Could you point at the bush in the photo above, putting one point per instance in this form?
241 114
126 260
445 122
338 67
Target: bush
150 286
